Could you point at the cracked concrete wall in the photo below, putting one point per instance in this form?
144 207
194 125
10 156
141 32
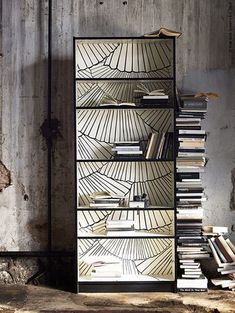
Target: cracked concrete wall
205 62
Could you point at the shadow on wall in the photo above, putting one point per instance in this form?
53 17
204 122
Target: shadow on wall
63 156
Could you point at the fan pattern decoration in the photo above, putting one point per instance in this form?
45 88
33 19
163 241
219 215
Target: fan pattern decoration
127 179
150 221
151 257
97 130
106 62
141 58
91 94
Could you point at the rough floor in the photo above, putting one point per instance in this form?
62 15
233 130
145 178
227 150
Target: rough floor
42 299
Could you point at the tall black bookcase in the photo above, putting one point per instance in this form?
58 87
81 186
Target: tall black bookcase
115 67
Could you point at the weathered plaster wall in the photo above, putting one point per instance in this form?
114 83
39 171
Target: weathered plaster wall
23 205
205 62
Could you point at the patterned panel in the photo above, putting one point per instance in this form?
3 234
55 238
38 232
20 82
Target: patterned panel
97 130
91 94
150 257
128 179
150 221
138 58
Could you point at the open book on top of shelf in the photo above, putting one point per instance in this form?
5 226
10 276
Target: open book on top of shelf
163 32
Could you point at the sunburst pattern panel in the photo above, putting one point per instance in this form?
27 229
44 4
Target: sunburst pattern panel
127 179
92 93
159 222
124 58
97 130
148 257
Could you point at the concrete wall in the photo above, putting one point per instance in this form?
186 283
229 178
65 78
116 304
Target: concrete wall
205 62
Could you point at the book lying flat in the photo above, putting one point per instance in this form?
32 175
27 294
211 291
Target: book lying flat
192 283
163 32
156 97
127 104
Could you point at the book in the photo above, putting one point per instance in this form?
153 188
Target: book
215 229
126 148
159 97
104 195
200 283
104 205
231 245
144 90
151 145
110 101
225 249
192 132
163 32
120 224
126 152
126 143
137 204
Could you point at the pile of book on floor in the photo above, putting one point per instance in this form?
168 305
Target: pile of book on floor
159 146
190 162
106 199
120 227
148 97
127 149
223 251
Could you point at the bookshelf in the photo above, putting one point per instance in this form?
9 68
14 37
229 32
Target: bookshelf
121 247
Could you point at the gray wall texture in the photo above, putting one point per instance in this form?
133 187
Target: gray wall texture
205 62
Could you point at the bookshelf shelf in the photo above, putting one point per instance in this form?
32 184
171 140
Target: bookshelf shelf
140 240
126 160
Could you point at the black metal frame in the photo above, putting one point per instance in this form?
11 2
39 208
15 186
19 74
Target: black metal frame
135 286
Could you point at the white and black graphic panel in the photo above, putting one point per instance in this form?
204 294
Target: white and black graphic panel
127 179
124 58
135 258
97 130
92 93
146 221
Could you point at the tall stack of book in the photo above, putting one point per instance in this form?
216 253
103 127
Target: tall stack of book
190 162
127 149
223 251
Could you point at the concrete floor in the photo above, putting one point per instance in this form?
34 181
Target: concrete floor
14 299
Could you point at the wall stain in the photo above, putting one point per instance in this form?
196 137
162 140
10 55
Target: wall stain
224 127
38 229
232 194
5 177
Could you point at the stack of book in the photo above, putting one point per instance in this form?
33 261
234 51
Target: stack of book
102 267
117 227
190 162
152 97
104 199
191 154
127 149
223 251
193 105
159 146
191 247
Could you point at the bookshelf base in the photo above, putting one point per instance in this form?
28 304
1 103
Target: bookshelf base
100 287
